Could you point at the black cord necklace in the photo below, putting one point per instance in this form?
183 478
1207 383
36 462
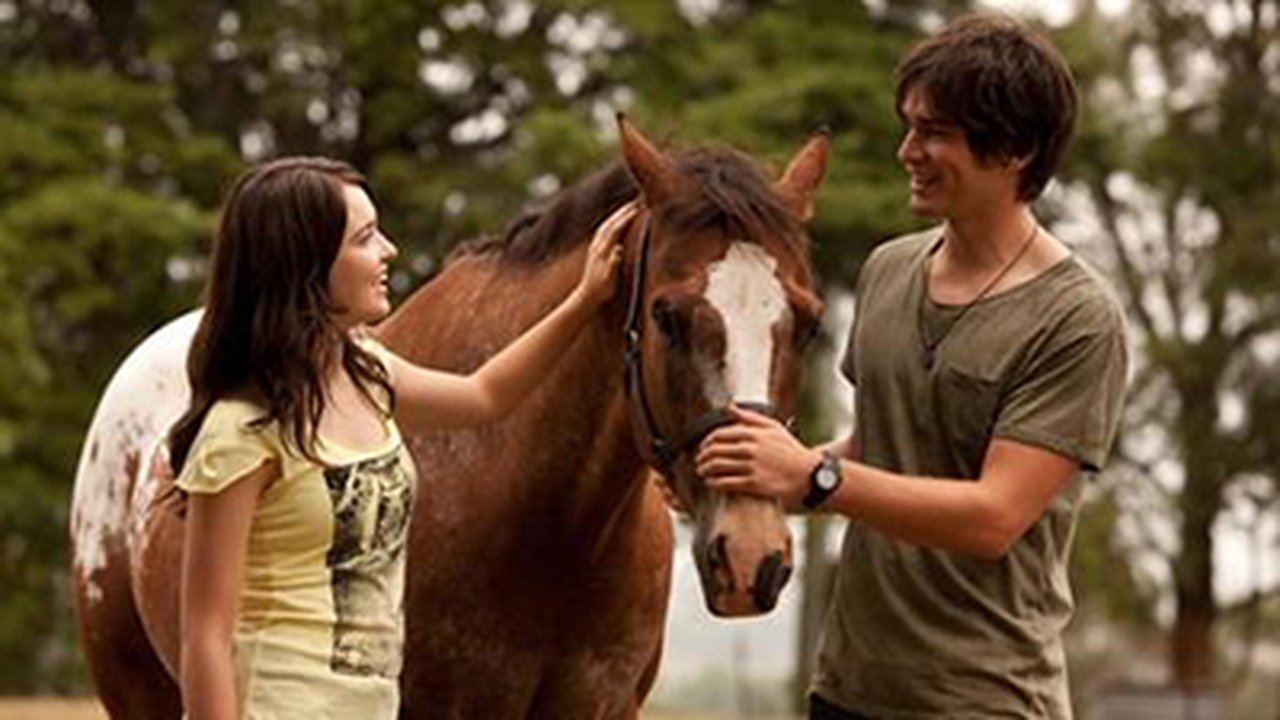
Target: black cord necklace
930 346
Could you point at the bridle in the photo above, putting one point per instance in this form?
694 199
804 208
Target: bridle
663 452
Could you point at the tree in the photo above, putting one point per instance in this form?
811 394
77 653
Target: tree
1179 160
95 249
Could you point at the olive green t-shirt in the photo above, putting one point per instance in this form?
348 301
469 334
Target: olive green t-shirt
915 632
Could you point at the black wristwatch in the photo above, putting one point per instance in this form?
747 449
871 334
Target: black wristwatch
823 480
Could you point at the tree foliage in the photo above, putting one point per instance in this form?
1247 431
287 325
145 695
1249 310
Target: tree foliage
122 121
1180 164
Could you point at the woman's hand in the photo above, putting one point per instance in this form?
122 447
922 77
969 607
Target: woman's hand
491 392
599 277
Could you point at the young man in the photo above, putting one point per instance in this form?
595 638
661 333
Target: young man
989 365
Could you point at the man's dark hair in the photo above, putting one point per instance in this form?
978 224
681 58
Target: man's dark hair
1004 85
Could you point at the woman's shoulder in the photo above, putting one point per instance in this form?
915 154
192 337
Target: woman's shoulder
239 418
234 439
364 339
235 411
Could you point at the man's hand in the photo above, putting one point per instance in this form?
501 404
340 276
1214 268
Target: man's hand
757 455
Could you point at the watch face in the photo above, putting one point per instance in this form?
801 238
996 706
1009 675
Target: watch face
826 479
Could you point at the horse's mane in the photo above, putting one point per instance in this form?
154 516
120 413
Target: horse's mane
728 189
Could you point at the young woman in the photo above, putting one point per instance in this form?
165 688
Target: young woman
299 486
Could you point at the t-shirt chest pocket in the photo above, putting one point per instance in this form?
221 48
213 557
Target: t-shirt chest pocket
968 406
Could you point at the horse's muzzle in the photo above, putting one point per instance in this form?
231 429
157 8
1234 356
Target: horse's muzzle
726 598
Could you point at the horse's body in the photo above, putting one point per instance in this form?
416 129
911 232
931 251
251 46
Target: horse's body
540 555
540 567
122 512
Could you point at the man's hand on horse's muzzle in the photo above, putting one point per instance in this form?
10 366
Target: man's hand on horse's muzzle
756 455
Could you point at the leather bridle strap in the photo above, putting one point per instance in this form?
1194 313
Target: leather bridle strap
663 452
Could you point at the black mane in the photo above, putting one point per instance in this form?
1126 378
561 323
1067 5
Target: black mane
727 190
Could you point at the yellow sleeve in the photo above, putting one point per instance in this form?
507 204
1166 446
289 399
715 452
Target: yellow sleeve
227 448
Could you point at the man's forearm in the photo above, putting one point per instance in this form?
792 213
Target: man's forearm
949 514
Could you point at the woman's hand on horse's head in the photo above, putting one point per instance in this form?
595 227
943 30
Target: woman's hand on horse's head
599 277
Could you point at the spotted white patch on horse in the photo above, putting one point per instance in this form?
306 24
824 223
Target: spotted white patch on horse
145 396
151 459
743 287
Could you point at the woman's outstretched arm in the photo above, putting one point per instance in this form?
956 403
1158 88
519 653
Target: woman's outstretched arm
426 396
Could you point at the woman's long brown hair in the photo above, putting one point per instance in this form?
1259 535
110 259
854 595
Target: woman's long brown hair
267 331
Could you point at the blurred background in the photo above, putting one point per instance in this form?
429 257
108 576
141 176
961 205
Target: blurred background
122 121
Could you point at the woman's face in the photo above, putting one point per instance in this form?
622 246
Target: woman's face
358 278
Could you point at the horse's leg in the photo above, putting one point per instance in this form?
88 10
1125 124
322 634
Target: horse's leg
131 681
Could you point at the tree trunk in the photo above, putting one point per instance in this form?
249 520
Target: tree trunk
1192 641
1201 499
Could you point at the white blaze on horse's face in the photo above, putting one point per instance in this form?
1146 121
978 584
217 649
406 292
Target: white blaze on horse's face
743 287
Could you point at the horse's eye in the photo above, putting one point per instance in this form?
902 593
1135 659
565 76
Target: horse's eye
806 329
669 322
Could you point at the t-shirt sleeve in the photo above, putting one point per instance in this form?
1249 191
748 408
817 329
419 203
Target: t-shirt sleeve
226 449
1069 397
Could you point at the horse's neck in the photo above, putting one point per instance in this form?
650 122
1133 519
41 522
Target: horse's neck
572 437
610 472
586 421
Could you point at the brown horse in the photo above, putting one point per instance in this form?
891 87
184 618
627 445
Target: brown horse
540 555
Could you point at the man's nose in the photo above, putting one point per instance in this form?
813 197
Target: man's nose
908 149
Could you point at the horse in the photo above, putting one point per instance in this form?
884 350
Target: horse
540 547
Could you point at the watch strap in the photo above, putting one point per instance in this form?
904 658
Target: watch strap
817 493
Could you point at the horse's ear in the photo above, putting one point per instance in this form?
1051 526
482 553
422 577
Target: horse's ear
804 174
649 166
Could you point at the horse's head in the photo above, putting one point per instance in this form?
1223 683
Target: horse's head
720 304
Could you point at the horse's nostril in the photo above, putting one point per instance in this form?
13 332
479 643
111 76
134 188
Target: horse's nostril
718 561
771 576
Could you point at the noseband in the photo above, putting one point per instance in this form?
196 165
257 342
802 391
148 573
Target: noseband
664 451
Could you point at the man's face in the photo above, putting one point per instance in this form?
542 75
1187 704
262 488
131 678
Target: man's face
947 180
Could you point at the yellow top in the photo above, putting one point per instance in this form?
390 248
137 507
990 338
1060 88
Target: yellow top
320 627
